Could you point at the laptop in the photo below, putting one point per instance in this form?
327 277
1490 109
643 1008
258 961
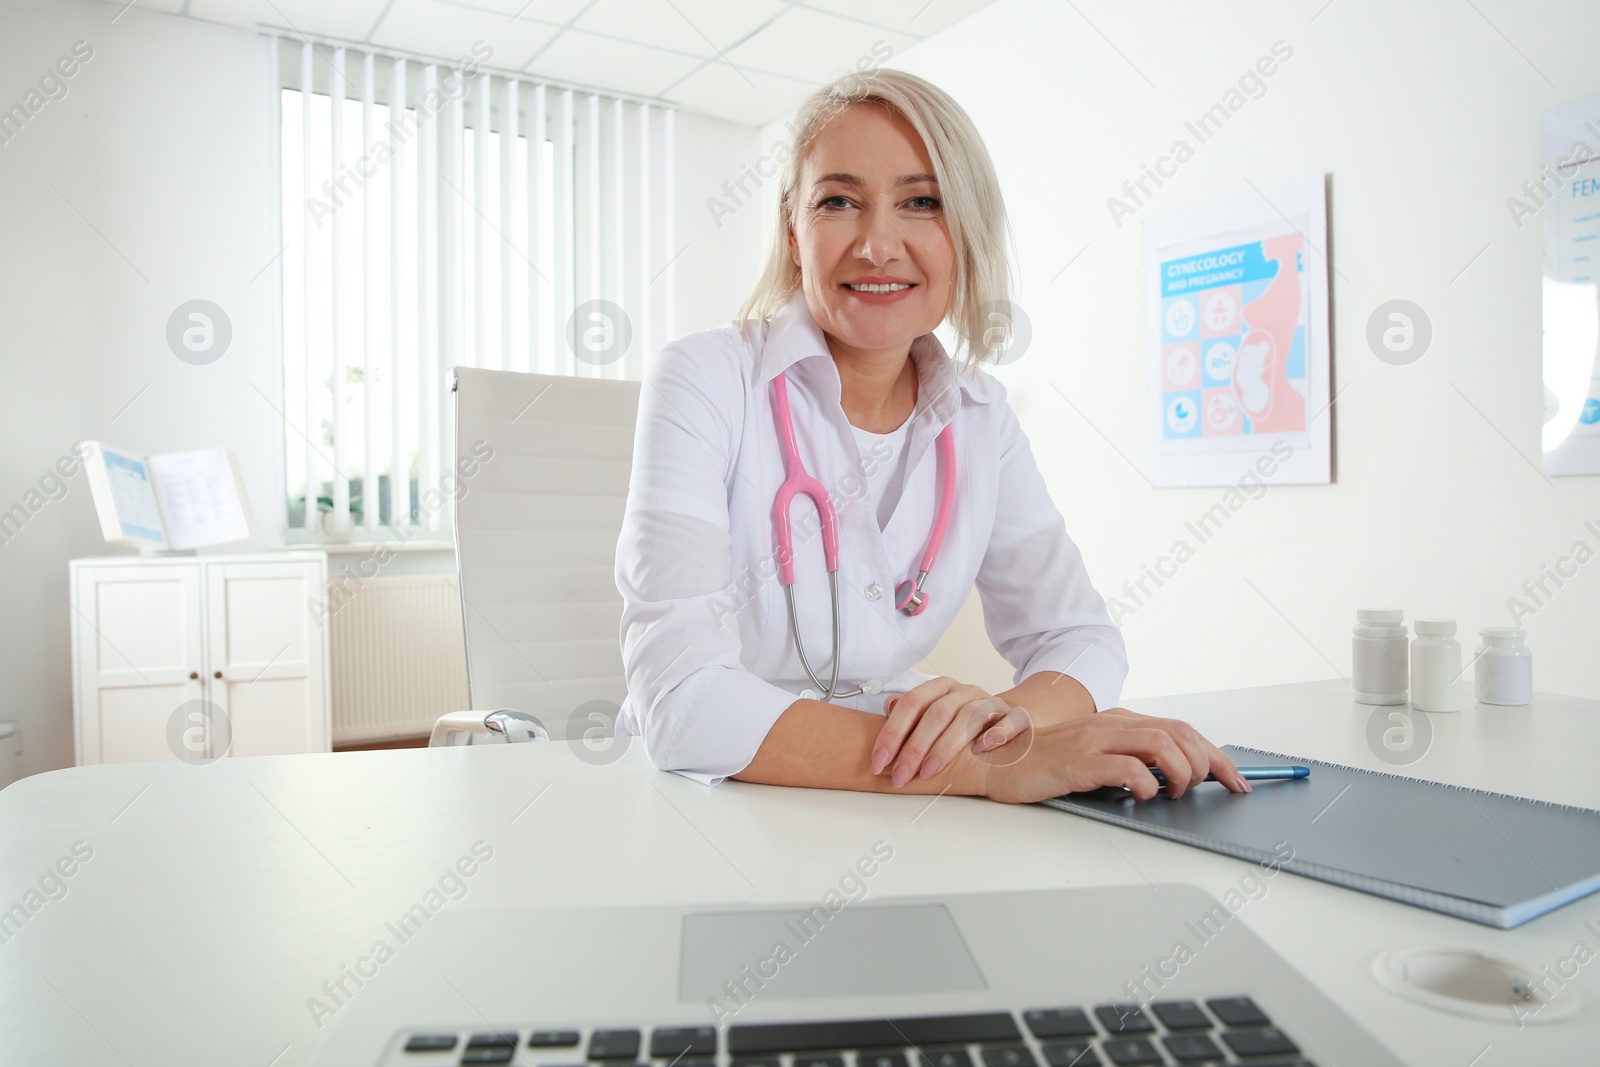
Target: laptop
1129 975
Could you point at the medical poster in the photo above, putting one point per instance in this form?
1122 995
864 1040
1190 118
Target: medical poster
1238 340
1570 204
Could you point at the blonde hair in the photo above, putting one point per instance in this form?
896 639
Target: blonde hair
969 191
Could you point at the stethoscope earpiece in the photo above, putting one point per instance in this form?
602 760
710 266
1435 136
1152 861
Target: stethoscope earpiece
909 596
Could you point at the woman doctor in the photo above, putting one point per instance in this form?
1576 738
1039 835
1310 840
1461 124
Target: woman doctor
772 639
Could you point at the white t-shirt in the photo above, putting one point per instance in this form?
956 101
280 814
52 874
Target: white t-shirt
883 464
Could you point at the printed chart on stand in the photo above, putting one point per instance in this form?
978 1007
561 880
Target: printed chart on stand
1238 341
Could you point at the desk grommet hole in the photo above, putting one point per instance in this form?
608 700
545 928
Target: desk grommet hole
1469 983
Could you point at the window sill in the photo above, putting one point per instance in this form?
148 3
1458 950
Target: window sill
336 548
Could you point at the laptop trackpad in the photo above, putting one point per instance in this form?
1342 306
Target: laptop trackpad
736 956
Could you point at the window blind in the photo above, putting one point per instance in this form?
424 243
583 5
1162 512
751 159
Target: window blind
436 214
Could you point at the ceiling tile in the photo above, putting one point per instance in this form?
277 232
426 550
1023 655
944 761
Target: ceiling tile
746 96
346 19
559 12
617 65
916 17
782 48
449 32
814 46
697 26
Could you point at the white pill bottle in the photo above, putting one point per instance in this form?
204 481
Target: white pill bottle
1379 669
1504 667
1436 666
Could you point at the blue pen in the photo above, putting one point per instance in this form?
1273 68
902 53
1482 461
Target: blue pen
1252 774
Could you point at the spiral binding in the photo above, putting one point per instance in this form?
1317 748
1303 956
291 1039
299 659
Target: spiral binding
1419 781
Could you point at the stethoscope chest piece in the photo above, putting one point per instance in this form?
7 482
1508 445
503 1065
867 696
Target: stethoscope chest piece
909 597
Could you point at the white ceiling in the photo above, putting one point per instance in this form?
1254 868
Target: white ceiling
748 61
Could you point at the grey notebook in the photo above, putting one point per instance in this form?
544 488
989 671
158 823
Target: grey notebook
1487 857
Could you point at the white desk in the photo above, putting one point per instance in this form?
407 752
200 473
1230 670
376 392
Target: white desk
220 898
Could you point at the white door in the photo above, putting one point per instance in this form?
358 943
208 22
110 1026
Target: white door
139 644
266 663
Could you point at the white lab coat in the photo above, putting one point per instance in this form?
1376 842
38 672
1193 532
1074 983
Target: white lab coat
706 646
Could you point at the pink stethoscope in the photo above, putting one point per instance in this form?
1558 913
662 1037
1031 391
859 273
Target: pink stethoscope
908 595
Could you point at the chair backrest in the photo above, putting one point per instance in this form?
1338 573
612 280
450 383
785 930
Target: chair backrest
543 463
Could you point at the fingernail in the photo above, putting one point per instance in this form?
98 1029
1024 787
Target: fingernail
880 757
1248 788
889 704
930 767
902 775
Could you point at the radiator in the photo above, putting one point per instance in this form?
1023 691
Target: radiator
399 661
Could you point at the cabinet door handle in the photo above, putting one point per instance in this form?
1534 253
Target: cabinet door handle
216 674
194 674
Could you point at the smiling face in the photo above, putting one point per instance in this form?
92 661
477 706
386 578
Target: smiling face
869 236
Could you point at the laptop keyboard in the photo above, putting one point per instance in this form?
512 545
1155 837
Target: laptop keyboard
1222 1030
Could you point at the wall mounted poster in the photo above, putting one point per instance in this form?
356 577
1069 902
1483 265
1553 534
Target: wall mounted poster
1568 138
1237 323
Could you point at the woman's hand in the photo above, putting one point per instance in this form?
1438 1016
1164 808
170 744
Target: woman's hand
1114 747
928 727
943 724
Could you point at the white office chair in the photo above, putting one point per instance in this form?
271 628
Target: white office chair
536 528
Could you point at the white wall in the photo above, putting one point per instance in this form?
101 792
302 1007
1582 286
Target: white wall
160 154
1428 120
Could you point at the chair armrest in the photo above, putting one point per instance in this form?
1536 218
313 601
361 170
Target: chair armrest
449 726
512 725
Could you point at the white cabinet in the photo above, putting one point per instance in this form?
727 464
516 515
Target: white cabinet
199 656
